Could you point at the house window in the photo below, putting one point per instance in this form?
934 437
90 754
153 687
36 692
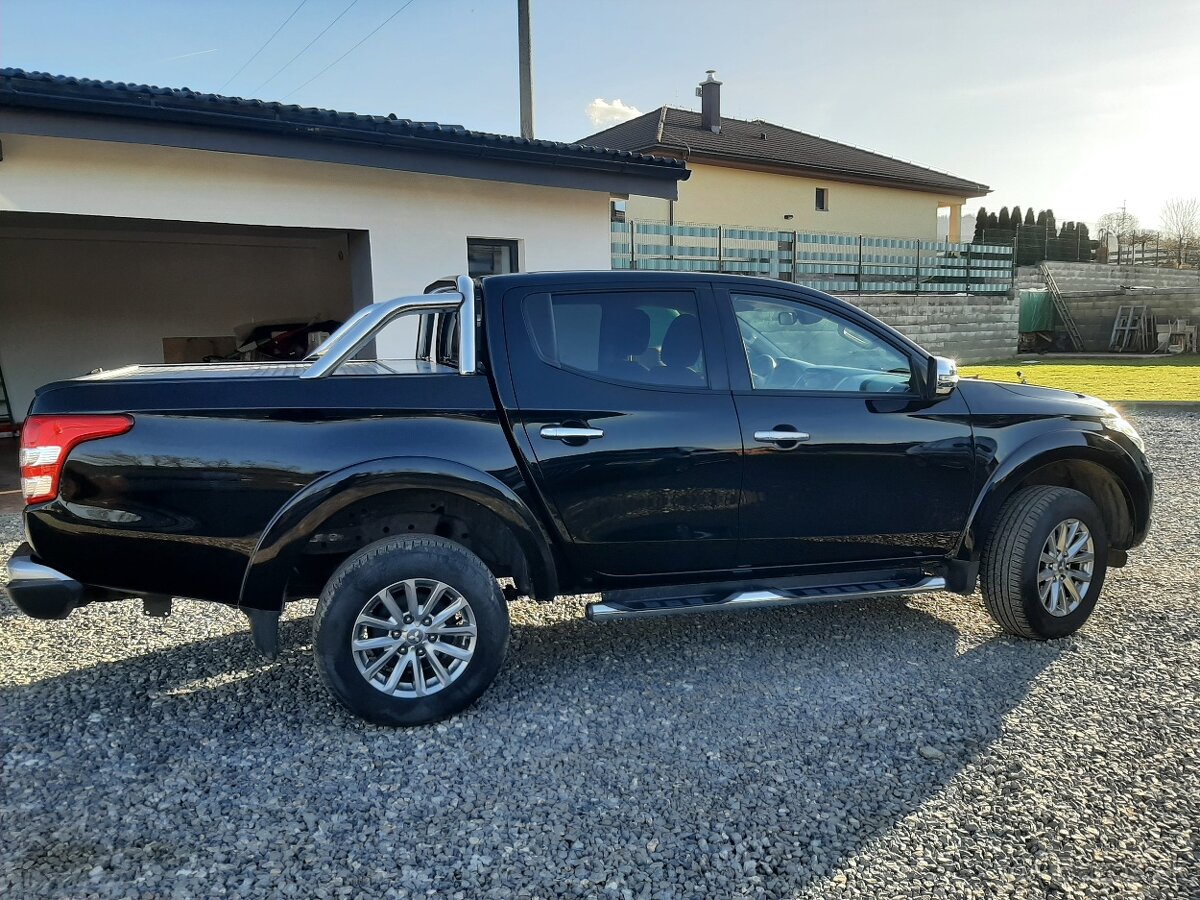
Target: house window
487 256
617 210
822 199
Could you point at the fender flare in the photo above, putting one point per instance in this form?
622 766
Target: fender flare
1046 448
283 540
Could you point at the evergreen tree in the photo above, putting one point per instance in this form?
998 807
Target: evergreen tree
1050 223
1066 242
1041 218
1004 221
1014 221
1084 242
993 221
1029 216
980 225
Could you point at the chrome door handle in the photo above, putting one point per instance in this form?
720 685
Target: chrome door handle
562 433
781 437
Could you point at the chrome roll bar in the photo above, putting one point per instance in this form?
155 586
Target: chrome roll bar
357 331
466 325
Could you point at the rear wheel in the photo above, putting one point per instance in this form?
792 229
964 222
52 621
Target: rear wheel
409 631
1044 563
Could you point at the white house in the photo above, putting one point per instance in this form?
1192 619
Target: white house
132 214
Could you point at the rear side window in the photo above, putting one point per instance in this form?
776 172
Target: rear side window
643 337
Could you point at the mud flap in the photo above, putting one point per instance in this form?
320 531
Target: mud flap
264 629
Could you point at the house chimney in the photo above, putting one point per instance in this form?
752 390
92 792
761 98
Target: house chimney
709 93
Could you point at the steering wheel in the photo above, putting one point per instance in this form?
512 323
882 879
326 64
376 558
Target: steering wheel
815 378
762 364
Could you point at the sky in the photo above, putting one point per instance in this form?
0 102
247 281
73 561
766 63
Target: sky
1076 106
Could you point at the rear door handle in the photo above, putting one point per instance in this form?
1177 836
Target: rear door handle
563 433
779 437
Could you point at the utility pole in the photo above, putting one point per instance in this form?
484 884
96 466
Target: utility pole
525 49
1124 230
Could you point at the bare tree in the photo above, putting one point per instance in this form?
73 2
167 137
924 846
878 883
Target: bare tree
1181 227
1120 225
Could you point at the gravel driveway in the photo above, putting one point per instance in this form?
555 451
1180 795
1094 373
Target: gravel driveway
873 749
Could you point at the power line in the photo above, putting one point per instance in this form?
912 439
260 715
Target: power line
352 49
262 48
280 70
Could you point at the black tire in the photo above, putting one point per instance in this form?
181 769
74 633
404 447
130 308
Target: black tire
1009 574
382 565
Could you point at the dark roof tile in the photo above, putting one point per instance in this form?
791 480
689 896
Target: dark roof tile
40 90
763 143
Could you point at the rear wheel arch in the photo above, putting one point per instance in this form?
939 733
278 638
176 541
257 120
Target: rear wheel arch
434 496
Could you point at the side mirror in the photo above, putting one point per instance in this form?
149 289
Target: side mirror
943 375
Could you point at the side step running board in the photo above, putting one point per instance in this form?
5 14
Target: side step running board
610 608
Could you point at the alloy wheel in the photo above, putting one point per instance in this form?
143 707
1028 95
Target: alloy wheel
414 638
1065 567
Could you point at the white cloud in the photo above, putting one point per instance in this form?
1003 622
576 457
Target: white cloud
606 113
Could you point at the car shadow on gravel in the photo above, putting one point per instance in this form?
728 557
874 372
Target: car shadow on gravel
767 747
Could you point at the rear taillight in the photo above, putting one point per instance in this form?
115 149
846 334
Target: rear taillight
46 441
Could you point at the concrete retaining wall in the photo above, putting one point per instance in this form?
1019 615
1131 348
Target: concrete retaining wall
1093 292
1094 311
967 328
1091 277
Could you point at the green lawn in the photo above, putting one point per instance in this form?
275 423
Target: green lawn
1167 378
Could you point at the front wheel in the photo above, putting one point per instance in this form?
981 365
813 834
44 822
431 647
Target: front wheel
1044 563
409 631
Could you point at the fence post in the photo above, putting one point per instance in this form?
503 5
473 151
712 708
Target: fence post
858 272
632 245
1012 271
917 280
795 257
720 248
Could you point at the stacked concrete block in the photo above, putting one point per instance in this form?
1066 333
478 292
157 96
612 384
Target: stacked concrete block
1076 277
969 328
1029 277
1095 311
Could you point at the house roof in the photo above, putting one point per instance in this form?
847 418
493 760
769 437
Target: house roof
763 144
46 93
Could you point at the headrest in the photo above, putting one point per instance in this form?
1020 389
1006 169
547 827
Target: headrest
624 332
681 344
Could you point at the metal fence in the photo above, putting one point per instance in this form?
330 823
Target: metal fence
831 262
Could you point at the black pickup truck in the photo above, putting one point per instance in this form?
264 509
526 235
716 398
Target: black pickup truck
675 443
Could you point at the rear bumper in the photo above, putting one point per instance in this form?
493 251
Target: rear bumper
40 591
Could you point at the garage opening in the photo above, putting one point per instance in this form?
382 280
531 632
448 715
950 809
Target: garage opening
79 293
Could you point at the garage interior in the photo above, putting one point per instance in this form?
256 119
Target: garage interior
79 293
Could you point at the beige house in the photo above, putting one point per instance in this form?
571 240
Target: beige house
755 174
135 217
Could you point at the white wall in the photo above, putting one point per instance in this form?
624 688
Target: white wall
74 299
418 224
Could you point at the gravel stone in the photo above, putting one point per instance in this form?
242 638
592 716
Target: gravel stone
878 749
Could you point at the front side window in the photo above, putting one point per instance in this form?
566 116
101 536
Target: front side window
645 337
822 199
792 346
